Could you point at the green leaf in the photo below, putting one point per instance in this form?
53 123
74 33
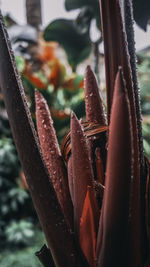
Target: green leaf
77 45
20 61
23 256
141 9
146 108
141 12
146 130
146 148
74 4
8 157
77 81
19 232
84 18
18 194
87 4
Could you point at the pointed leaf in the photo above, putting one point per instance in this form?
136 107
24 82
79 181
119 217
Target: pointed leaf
116 51
45 257
43 195
81 168
117 236
114 36
89 226
93 102
129 27
52 156
131 46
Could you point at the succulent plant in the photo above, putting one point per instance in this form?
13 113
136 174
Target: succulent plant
92 197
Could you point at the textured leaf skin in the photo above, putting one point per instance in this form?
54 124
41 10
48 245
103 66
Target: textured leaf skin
43 195
52 156
115 37
95 113
129 26
93 102
89 226
117 244
81 169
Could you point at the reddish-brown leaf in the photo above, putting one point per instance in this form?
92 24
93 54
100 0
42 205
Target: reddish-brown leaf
70 178
118 245
42 192
99 166
116 51
93 102
52 156
81 168
89 226
117 54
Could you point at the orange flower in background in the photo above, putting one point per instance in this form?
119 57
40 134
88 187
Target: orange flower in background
59 114
46 50
34 79
101 227
53 71
70 84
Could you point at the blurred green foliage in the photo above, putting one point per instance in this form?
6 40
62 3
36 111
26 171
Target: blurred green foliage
22 231
8 157
144 84
63 92
76 43
23 257
16 213
74 35
18 222
146 141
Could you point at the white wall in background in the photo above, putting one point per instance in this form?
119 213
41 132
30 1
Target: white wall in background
15 8
53 9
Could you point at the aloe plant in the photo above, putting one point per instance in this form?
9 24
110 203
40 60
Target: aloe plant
92 196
